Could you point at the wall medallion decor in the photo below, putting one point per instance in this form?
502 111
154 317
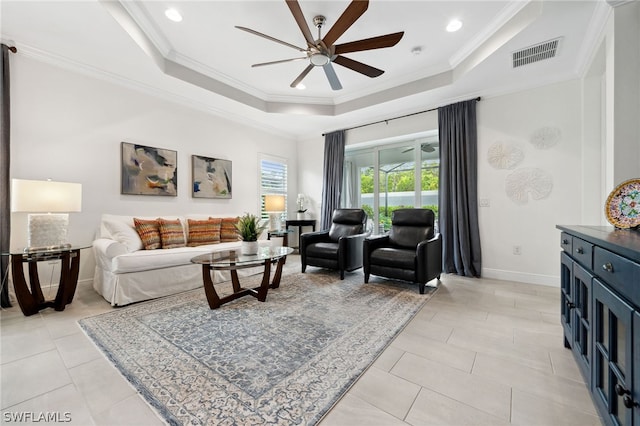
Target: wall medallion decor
623 205
546 137
211 177
504 156
528 182
148 171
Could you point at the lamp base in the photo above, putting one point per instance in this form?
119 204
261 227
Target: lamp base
274 222
47 230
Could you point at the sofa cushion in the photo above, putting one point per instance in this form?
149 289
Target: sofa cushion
171 233
149 232
146 260
201 232
228 231
124 233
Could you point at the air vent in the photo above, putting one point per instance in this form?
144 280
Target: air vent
535 53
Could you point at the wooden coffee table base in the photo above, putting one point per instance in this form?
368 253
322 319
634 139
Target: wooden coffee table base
259 293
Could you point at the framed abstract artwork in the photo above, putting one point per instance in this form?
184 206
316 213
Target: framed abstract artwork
211 177
148 171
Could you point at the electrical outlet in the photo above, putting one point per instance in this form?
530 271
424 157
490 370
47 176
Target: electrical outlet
517 250
484 202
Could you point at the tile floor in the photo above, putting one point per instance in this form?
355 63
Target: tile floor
480 352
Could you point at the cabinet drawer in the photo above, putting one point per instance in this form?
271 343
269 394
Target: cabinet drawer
582 251
565 242
619 273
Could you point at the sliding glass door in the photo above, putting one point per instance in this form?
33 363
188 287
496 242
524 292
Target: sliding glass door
383 178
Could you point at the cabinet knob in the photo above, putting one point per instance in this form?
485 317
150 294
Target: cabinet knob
565 242
608 267
570 305
580 250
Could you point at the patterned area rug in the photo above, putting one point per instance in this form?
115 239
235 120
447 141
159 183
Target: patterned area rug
286 361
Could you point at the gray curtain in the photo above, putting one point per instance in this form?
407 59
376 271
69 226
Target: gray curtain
5 196
458 191
332 180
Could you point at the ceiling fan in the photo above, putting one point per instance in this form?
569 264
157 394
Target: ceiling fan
426 147
323 52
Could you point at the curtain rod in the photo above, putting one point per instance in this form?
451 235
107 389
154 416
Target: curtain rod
402 116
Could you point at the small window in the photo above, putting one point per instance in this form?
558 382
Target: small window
273 180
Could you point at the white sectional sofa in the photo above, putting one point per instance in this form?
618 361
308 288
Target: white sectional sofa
126 273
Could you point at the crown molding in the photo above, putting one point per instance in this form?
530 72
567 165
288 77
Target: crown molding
505 15
616 3
593 37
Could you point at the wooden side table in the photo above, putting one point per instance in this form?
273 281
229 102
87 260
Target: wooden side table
32 301
299 223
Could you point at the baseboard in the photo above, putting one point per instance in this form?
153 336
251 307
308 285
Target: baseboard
523 277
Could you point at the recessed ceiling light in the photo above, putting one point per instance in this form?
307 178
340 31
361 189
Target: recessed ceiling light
300 86
454 25
173 15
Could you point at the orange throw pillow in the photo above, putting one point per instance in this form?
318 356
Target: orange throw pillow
203 232
228 231
149 231
171 233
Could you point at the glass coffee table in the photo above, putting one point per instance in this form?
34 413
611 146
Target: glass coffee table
233 260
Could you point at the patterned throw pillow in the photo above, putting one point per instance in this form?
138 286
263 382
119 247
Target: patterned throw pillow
228 231
171 233
149 231
203 232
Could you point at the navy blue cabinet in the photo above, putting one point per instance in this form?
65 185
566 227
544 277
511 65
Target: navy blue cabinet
575 307
612 369
600 315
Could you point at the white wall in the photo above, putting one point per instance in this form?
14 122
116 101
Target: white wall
512 119
68 127
509 118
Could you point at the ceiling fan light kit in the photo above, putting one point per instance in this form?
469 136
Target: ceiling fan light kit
323 52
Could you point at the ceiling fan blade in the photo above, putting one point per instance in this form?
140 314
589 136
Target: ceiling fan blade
348 17
294 7
277 62
302 75
249 30
369 43
365 69
332 76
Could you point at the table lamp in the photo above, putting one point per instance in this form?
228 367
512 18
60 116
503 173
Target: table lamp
274 205
48 230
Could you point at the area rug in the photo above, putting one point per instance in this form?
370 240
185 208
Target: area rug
286 361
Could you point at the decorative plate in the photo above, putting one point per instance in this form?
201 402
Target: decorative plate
623 205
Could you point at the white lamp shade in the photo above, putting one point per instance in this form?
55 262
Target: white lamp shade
274 203
41 196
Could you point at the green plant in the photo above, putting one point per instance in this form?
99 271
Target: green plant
249 227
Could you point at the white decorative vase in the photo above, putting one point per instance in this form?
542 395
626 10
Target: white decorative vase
249 247
301 215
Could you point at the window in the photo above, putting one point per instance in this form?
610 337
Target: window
382 178
273 180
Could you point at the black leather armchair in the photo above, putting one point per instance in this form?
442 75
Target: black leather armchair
411 251
339 247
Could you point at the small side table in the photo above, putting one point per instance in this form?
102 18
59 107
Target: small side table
284 234
300 223
31 302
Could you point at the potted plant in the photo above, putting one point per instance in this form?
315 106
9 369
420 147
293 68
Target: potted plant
249 229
